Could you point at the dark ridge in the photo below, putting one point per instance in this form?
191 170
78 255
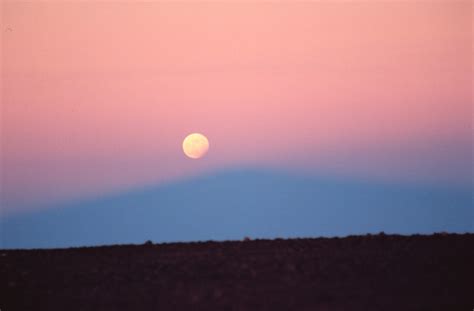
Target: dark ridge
369 272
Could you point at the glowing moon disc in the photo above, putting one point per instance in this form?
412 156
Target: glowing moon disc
195 145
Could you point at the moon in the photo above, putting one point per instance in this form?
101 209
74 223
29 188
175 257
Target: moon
195 145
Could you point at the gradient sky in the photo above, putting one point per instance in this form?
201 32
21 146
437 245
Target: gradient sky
98 96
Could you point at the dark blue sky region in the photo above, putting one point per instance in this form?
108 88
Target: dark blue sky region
248 202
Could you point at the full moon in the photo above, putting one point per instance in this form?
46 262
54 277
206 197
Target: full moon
195 145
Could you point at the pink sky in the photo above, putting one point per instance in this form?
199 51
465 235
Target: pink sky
97 96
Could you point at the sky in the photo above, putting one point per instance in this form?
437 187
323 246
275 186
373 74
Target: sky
97 97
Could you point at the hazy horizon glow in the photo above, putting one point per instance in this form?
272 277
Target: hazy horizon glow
97 97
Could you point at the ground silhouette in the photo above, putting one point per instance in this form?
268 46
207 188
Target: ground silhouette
371 272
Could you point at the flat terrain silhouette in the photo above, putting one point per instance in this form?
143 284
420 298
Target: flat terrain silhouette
370 272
